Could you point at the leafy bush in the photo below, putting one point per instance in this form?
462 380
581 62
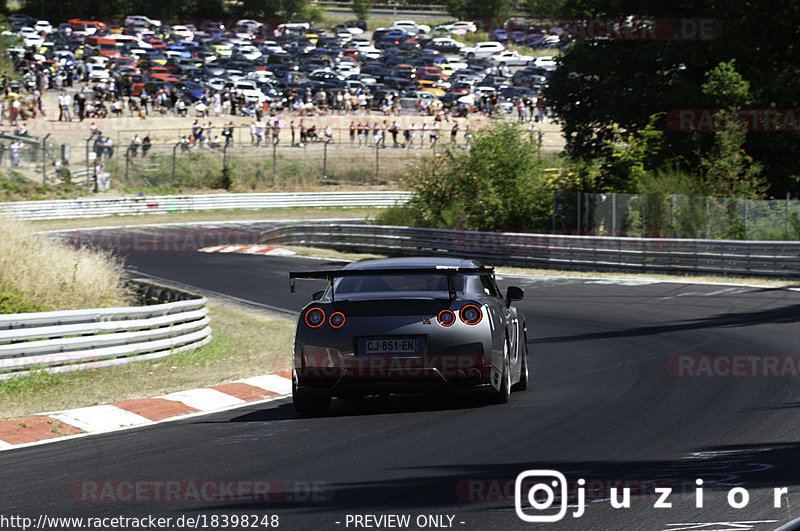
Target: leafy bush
498 183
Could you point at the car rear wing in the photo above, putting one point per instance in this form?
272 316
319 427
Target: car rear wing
451 272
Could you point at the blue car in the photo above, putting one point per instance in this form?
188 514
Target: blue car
499 35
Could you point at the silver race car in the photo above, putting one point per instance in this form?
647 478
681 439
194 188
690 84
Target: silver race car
407 325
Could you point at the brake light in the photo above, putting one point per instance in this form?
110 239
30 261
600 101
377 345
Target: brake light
446 318
315 317
336 319
471 314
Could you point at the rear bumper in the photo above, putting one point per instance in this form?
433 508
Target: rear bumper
393 379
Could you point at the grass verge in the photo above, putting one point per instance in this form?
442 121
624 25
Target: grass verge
272 214
38 273
244 344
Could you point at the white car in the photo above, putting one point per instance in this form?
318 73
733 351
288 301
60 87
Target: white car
182 32
249 52
130 20
249 90
347 68
260 76
463 27
28 31
43 25
99 75
411 27
344 37
370 52
482 49
546 62
271 47
510 58
360 42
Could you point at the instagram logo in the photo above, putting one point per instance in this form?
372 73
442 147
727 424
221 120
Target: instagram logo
541 487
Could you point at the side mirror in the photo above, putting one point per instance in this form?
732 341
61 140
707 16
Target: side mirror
318 295
513 293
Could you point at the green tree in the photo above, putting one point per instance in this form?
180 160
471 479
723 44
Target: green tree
496 184
361 9
728 171
608 89
479 9
544 8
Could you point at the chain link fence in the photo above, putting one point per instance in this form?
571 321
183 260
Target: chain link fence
675 216
31 156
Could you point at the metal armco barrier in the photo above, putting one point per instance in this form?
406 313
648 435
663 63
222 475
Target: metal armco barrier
594 253
127 206
78 339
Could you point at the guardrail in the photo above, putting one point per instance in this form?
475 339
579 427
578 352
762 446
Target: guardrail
70 340
384 7
129 206
592 253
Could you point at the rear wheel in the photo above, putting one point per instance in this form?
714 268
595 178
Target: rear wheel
309 404
522 384
502 395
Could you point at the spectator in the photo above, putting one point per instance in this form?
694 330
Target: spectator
64 104
434 134
14 150
453 133
136 141
145 145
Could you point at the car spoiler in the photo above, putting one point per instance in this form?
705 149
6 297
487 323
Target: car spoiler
331 274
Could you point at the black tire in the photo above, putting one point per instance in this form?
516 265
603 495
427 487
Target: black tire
503 395
309 404
522 385
470 55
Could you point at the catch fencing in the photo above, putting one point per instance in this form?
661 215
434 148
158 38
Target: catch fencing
584 253
675 216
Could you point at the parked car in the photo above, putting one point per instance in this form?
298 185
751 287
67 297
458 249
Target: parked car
445 45
482 49
510 58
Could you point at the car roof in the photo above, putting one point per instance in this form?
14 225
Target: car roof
413 262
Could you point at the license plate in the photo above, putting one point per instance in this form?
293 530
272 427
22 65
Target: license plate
390 345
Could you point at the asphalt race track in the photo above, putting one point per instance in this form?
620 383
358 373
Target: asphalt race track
636 384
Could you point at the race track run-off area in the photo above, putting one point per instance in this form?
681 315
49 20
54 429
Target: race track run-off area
687 395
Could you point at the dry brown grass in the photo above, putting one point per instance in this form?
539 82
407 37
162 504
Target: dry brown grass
47 274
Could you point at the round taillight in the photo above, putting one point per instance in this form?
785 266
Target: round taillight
336 319
446 318
471 314
315 317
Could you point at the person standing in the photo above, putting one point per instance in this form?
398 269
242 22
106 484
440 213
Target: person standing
145 145
434 134
14 150
540 107
453 133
